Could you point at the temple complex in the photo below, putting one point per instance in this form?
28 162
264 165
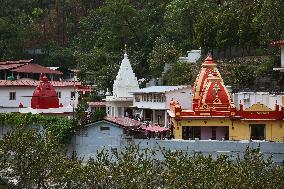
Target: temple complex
214 115
120 103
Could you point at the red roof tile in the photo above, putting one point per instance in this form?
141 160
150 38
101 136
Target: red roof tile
97 104
35 68
17 62
154 128
9 66
124 121
20 83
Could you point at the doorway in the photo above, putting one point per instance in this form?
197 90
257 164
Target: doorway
191 132
257 131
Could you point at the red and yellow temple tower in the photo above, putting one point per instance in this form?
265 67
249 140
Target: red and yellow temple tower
214 115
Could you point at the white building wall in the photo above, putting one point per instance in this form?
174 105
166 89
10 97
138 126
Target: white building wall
184 96
66 96
117 108
24 95
149 105
250 98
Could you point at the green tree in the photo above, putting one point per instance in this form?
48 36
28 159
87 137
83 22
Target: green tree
164 52
270 21
29 157
97 115
181 73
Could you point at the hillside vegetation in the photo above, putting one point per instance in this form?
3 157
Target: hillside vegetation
91 35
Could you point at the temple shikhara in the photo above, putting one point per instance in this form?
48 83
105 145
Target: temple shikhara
215 116
45 101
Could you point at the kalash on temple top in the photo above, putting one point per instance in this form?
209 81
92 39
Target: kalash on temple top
214 115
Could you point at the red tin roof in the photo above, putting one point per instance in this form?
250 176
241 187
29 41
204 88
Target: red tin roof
124 121
278 43
35 68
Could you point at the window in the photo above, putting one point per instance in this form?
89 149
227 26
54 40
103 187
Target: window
162 98
73 95
155 98
119 111
149 97
137 98
257 131
108 110
103 128
59 94
144 98
192 132
112 111
12 96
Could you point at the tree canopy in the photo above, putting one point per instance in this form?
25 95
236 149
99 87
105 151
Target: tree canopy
91 35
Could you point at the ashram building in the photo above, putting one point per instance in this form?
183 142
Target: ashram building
121 101
214 115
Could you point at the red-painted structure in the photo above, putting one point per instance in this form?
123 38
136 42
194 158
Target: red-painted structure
214 115
211 99
44 96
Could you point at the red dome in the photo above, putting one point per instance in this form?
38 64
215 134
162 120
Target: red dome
44 96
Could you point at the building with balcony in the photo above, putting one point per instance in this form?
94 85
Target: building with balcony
151 103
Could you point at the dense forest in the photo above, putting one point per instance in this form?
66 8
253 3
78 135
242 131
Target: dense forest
91 35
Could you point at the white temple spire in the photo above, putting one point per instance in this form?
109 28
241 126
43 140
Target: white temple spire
126 80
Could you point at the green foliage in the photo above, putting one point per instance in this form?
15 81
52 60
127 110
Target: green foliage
90 35
97 66
243 72
181 73
164 52
58 56
29 158
97 115
57 126
38 161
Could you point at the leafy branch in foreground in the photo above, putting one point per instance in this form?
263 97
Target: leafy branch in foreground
34 160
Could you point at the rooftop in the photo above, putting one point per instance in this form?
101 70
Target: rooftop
33 83
97 104
124 121
35 68
278 43
159 89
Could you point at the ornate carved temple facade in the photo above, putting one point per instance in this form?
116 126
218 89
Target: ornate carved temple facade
215 116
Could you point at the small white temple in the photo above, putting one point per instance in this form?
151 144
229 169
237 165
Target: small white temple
121 101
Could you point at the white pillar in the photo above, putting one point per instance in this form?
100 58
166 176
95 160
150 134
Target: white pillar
153 116
282 56
166 119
